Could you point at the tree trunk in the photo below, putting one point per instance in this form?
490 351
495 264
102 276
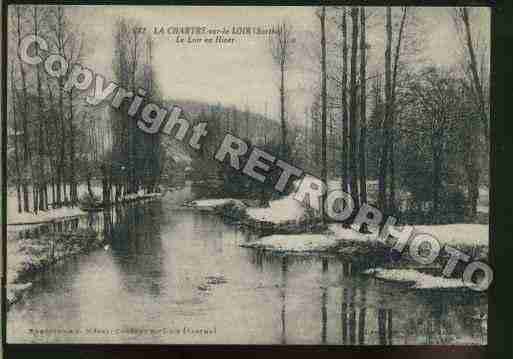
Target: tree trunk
475 75
324 172
73 185
392 114
41 185
89 187
353 170
61 182
345 120
363 109
437 169
16 150
382 203
26 149
51 153
478 90
35 204
282 111
471 166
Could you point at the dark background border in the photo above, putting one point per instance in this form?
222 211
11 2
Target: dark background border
500 335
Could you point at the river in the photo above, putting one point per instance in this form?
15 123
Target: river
174 276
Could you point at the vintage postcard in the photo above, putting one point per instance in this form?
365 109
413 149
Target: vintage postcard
247 175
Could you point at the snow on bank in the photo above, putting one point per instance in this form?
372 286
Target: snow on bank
483 209
294 243
483 201
282 210
29 255
211 204
286 209
338 230
15 218
141 195
460 234
416 279
15 291
17 257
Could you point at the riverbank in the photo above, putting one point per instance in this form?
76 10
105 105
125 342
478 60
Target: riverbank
415 279
385 264
152 263
282 216
28 218
15 218
33 253
31 250
286 227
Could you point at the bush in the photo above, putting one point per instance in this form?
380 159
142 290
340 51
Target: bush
453 206
234 210
90 201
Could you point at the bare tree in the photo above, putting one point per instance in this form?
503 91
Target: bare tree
392 107
126 59
324 171
57 31
363 108
132 134
462 14
281 52
41 183
246 118
353 125
14 98
345 119
382 203
68 42
471 165
461 18
386 166
19 18
436 95
136 155
74 56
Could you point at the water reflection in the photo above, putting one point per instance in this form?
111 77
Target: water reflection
359 310
169 268
282 296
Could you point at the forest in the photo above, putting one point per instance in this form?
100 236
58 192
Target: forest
58 144
409 137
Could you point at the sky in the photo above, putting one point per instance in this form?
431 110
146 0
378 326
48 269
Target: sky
242 72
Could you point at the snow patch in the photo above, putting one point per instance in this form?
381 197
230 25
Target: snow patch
212 203
141 194
279 211
13 217
461 234
483 209
416 279
295 242
340 232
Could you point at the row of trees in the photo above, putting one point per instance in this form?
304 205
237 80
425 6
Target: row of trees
416 133
212 178
43 129
419 131
56 142
136 155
